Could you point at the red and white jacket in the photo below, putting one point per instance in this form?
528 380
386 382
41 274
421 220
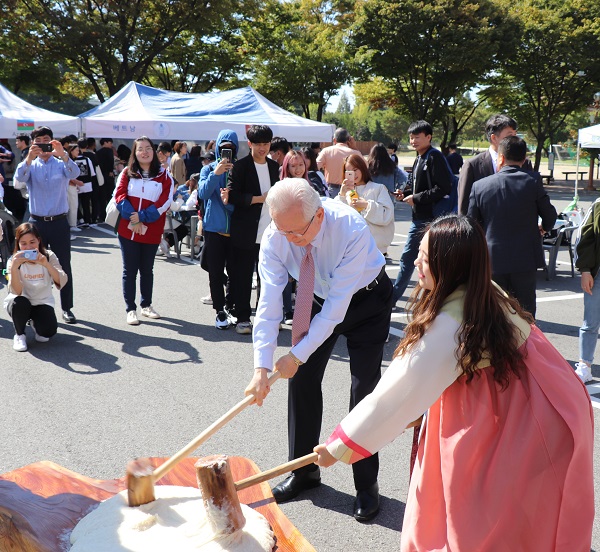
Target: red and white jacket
150 198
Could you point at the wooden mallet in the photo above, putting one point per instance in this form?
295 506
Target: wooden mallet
219 493
140 475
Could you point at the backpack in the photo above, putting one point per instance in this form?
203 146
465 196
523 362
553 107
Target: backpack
449 203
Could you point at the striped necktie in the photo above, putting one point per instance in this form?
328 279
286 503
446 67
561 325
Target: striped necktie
304 297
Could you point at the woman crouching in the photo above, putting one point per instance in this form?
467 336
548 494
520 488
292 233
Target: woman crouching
32 270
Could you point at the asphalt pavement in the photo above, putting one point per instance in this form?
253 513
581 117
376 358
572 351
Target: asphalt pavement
101 392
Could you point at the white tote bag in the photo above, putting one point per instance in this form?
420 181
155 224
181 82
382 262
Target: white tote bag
112 213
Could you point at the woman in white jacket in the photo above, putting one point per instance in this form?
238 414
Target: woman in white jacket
370 199
32 270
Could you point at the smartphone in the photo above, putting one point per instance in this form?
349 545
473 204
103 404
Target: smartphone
227 154
350 176
47 148
30 254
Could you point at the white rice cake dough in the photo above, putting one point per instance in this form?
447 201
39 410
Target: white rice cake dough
176 520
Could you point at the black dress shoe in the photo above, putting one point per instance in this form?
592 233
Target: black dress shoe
69 317
366 504
295 484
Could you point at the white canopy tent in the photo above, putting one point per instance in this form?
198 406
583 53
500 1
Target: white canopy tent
588 137
18 116
138 110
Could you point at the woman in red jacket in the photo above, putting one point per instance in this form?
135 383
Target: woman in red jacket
143 197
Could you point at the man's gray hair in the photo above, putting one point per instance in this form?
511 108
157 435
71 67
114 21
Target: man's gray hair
341 136
291 192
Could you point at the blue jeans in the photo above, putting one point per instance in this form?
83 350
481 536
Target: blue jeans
408 257
588 333
137 257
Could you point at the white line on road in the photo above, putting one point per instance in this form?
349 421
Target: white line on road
560 298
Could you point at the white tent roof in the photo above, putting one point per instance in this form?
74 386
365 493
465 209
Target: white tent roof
18 116
589 137
138 110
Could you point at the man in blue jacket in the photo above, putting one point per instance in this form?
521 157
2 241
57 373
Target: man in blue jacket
216 221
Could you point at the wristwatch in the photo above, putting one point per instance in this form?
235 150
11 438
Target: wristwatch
295 359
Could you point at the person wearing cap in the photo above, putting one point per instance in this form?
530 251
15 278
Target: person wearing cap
208 158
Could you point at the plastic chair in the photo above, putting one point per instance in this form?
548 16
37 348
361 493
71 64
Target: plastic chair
169 229
552 243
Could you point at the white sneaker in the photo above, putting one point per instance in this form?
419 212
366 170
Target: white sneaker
73 238
244 328
20 343
39 338
132 318
222 321
75 229
232 319
164 248
583 371
207 300
149 312
94 225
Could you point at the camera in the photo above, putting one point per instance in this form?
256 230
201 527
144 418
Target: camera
227 154
46 148
30 254
349 176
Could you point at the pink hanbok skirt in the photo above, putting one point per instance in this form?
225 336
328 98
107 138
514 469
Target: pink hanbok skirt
506 470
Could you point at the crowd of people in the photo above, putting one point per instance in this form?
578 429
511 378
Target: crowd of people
472 372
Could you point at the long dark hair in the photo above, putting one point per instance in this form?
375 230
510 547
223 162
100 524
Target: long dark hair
458 256
28 228
311 159
133 167
380 162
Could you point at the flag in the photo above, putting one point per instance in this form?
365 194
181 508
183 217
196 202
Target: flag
25 126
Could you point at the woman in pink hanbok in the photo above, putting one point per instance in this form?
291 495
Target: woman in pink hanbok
505 451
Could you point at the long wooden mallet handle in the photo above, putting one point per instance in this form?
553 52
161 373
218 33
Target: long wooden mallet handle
163 469
274 472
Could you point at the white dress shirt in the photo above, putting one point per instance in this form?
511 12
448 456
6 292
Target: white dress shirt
346 260
494 155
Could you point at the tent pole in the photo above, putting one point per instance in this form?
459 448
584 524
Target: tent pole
577 168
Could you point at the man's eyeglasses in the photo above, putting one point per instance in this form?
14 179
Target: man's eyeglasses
295 234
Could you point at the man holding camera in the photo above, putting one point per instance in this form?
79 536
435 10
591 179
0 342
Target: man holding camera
46 171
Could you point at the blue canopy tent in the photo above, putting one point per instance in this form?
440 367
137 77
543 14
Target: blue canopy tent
138 110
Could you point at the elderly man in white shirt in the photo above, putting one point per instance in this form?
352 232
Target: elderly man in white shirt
352 296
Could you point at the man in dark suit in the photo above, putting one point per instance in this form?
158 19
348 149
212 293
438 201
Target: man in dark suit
249 182
507 205
485 164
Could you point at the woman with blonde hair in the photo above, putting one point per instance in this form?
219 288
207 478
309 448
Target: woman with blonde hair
505 451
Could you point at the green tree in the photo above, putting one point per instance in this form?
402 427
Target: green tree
344 104
297 52
556 68
112 42
25 66
428 53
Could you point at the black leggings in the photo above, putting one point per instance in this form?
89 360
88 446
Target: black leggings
42 316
